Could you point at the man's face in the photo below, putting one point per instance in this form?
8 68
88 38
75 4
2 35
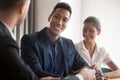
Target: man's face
59 20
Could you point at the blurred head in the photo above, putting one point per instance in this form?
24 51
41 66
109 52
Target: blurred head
15 5
59 18
91 28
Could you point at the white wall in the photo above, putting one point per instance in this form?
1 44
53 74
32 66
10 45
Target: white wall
73 30
43 10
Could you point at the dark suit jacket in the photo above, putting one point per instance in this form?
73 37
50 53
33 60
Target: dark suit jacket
12 66
34 51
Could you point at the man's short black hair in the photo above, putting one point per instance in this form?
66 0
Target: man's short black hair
9 4
64 6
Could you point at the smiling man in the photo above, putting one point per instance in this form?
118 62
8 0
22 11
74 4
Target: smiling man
47 53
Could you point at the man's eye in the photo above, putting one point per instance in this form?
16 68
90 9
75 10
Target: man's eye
65 20
56 16
91 31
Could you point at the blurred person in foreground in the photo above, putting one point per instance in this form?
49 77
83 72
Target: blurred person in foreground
12 67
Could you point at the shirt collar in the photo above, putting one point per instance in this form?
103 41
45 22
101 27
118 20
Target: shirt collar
48 38
9 30
83 46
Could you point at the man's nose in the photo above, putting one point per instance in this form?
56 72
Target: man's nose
60 22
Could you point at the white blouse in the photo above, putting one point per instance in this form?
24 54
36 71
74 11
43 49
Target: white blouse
100 55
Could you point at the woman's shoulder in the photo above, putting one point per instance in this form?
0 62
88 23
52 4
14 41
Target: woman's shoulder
101 48
79 45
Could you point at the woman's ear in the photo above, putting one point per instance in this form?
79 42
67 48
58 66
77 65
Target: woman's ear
99 32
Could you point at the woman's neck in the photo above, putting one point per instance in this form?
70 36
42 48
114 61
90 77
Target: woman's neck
90 46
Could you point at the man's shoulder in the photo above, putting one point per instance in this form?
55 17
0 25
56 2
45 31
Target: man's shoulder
37 34
66 40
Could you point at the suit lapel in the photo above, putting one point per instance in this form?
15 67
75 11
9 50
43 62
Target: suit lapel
4 30
44 46
45 54
66 55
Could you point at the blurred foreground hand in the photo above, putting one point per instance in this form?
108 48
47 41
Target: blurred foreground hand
50 78
88 74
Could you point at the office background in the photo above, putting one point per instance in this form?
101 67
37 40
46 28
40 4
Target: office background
106 10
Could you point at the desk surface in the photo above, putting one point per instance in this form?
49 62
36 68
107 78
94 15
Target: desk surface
114 79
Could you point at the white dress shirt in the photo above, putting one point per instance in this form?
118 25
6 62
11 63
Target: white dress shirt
100 55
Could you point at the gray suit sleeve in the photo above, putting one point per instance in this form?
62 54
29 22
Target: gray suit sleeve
71 77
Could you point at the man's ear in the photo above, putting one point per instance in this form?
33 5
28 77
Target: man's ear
49 18
22 8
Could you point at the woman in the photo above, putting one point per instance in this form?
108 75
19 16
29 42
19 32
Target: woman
91 52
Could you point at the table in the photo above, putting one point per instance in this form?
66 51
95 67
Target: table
115 79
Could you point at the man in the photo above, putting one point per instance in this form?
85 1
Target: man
12 67
50 55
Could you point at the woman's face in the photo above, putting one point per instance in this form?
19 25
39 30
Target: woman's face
90 32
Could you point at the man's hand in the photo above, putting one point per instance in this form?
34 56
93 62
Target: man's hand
50 78
88 74
99 74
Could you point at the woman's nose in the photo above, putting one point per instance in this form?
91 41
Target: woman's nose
87 33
